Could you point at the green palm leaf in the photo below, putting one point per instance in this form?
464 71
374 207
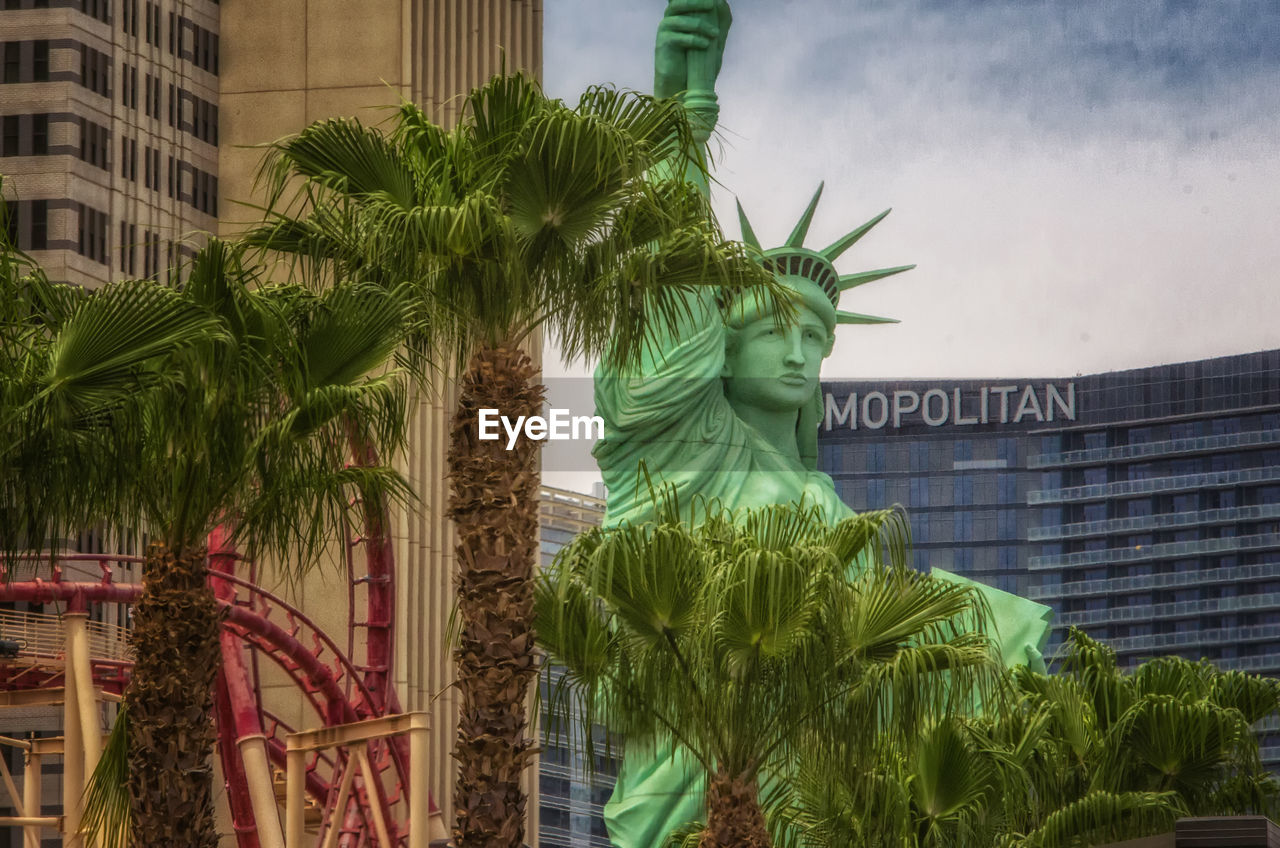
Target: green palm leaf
108 347
106 817
346 157
1107 816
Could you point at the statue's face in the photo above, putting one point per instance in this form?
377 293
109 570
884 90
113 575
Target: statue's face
776 369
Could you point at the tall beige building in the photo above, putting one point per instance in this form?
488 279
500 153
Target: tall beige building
109 132
287 63
131 130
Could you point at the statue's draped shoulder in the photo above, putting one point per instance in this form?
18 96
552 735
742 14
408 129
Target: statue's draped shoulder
671 412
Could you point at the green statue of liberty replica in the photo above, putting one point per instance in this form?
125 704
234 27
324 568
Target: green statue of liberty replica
727 407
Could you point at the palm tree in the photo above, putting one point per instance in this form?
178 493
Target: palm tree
247 427
1089 755
60 417
1171 728
528 216
744 638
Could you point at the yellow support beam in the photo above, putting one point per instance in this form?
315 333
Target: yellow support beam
297 745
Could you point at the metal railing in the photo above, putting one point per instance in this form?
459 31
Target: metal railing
1122 488
1175 609
42 635
1193 638
1165 521
1164 550
565 510
1151 449
1234 574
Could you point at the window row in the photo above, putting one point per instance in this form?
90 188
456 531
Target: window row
92 233
95 141
27 226
24 135
962 490
149 247
129 159
151 168
151 255
193 115
95 71
188 40
918 456
27 223
25 61
187 112
129 17
195 187
152 31
965 526
152 104
100 9
184 182
128 85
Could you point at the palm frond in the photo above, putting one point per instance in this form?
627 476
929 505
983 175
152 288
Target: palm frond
107 817
528 215
346 157
1107 816
106 349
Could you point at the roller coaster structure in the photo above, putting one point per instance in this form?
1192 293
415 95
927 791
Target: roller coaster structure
359 794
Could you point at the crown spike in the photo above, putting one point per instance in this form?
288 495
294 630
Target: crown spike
858 318
851 281
796 239
849 240
748 234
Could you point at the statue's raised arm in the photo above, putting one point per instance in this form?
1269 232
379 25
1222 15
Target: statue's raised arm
651 410
687 56
725 405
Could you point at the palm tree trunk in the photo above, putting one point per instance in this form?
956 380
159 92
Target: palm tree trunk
494 506
170 701
734 817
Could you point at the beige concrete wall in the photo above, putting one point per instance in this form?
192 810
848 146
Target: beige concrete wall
286 63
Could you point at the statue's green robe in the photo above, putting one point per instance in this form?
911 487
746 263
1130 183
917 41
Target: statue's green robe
672 414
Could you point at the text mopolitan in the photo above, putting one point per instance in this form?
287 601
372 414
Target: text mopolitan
939 407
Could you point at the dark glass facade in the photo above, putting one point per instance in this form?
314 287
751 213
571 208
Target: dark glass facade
571 797
1142 505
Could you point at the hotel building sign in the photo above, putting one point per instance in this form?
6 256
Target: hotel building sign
950 406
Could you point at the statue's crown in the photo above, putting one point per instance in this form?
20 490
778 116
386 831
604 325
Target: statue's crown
795 260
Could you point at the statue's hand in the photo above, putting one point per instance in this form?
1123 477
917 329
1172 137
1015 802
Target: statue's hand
690 46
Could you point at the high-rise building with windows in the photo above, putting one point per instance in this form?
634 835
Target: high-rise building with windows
1143 505
571 795
130 130
109 144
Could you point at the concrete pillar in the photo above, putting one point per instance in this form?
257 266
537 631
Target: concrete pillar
78 664
31 799
295 832
253 752
72 764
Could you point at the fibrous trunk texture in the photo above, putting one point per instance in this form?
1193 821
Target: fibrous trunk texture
494 507
170 701
734 817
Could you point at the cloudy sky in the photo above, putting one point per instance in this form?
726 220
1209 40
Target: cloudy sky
1085 185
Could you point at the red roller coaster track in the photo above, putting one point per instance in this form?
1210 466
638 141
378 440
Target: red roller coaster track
260 626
